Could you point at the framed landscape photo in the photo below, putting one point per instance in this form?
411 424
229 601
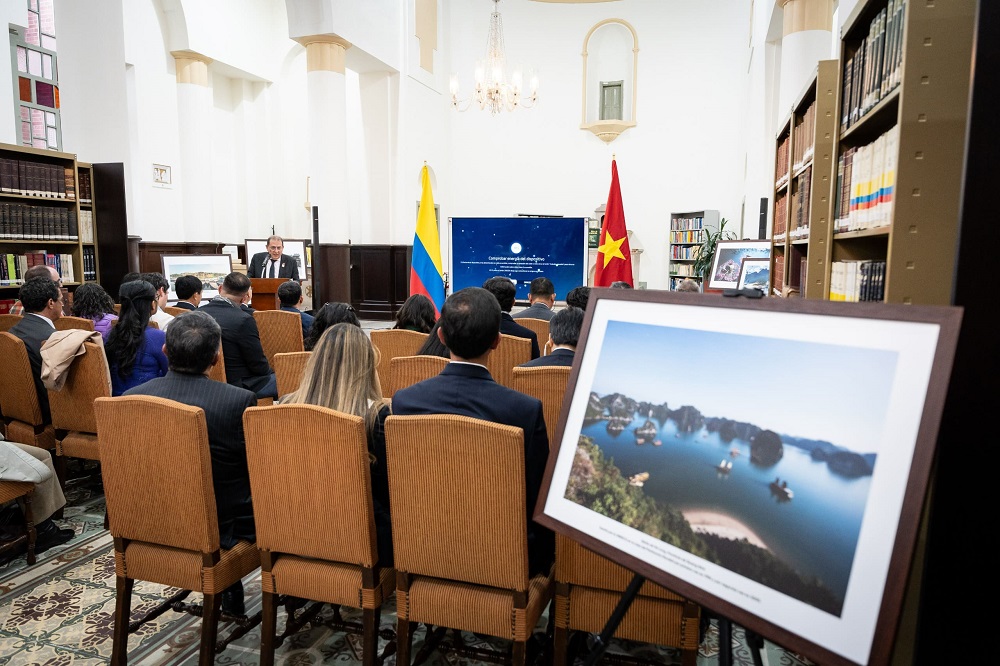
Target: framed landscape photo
793 513
728 258
212 269
755 274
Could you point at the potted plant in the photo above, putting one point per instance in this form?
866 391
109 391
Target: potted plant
706 251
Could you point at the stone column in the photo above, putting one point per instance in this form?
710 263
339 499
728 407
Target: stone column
806 39
194 119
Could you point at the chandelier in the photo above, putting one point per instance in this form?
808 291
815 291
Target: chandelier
493 91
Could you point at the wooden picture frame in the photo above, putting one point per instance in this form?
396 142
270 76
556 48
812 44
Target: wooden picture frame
755 273
808 537
211 268
728 258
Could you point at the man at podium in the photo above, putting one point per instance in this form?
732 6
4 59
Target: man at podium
273 264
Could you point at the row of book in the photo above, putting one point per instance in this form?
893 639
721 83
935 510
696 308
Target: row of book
857 280
800 205
6 304
687 236
874 70
685 252
14 266
86 189
866 184
778 274
37 179
681 271
87 226
780 217
686 223
89 265
781 162
803 136
26 222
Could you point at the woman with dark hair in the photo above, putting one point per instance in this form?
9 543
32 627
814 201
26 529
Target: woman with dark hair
328 315
90 301
135 351
340 375
416 314
432 345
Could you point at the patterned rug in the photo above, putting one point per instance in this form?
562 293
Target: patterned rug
59 613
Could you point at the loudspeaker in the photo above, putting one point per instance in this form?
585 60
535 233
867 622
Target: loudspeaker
762 224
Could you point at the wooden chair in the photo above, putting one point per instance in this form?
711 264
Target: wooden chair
312 503
218 371
589 586
72 406
288 370
19 405
390 343
118 308
162 513
548 384
175 311
280 332
511 352
408 370
8 321
540 328
22 492
151 324
456 487
65 323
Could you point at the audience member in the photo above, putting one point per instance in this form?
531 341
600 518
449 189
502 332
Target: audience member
416 314
246 365
470 327
290 295
577 297
192 347
134 348
42 302
620 284
162 288
541 299
504 291
188 289
340 375
32 464
327 316
564 333
432 345
90 301
37 271
687 284
131 275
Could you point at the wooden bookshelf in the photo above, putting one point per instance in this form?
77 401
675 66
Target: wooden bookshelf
779 214
88 225
687 232
902 121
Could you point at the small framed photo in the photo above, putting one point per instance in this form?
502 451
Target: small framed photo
795 516
162 176
755 274
728 258
211 269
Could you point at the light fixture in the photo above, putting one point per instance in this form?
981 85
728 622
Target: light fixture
493 91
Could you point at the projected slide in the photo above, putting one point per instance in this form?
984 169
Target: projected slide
521 248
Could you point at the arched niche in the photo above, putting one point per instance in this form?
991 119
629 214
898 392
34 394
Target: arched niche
610 66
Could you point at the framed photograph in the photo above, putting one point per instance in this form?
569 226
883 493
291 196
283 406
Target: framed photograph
212 269
294 247
162 176
728 258
755 274
793 513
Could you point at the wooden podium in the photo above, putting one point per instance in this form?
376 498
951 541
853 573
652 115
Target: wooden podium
265 293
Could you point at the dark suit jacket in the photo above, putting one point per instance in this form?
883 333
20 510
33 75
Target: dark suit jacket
224 406
562 357
307 319
535 311
34 331
287 266
510 327
185 305
469 390
246 365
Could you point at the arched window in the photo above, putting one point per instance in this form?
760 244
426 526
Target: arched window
36 81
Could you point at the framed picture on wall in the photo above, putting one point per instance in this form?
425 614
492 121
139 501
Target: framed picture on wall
212 269
794 516
728 258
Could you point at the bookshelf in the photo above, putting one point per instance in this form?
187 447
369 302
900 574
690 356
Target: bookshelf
900 147
88 227
687 231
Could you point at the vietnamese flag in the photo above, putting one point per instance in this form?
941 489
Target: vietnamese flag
614 258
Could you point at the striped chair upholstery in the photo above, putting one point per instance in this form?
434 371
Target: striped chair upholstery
8 321
408 370
540 327
21 492
390 343
72 406
18 399
66 323
161 510
175 311
511 352
456 487
548 384
280 332
289 368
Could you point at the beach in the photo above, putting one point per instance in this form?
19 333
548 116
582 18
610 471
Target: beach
721 525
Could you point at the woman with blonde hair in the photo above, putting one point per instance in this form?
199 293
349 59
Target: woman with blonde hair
340 375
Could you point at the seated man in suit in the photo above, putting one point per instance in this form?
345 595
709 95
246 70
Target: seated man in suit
38 270
541 299
504 291
290 295
188 289
470 327
43 301
246 365
273 264
192 348
564 333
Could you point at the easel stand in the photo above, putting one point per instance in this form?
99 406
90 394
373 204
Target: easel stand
754 642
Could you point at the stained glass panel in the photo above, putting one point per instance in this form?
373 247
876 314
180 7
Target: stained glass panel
57 96
34 63
33 5
50 136
44 95
47 66
31 34
50 119
26 134
24 89
25 116
48 42
48 17
37 123
22 59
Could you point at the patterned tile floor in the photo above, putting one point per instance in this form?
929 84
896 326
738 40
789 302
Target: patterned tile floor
59 613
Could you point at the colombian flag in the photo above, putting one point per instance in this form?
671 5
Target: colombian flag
426 274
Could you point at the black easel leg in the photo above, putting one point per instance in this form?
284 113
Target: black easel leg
601 642
756 645
725 642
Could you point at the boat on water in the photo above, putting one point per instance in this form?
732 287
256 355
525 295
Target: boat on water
657 442
724 467
639 479
781 490
734 452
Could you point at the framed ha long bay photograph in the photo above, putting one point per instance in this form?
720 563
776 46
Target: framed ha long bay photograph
788 505
212 269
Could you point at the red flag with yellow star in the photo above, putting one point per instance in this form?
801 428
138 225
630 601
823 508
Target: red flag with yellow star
614 259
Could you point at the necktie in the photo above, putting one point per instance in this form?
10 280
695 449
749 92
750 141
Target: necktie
272 268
